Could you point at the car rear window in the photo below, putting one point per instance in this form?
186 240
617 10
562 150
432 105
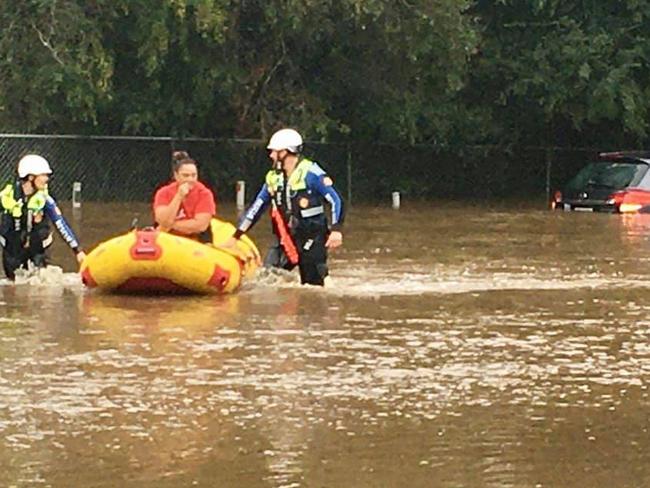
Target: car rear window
608 175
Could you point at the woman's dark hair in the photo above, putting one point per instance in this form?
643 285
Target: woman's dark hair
179 158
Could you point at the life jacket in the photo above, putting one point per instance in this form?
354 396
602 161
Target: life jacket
14 202
298 203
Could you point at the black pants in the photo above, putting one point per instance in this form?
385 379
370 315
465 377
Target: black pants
20 248
313 257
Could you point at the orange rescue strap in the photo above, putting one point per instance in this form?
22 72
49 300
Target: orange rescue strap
286 241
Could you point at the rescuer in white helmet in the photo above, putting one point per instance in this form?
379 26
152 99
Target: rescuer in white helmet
27 208
299 191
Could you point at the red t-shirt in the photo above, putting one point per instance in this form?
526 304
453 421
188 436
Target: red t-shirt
200 199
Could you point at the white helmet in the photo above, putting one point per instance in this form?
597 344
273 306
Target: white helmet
33 164
288 139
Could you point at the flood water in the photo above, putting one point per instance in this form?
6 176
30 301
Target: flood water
456 345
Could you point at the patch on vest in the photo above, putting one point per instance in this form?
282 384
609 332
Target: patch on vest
303 203
327 181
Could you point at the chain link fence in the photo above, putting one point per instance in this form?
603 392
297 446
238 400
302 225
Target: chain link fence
131 168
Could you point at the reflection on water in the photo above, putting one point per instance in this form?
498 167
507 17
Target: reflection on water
453 346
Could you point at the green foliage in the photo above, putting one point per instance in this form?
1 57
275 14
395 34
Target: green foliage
53 65
372 69
548 67
405 71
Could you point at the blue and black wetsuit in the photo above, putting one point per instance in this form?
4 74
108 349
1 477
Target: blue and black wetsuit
24 229
302 202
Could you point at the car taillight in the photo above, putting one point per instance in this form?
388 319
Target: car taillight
629 207
616 198
628 201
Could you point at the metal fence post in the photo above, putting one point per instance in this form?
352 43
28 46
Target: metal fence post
549 165
396 200
240 197
76 194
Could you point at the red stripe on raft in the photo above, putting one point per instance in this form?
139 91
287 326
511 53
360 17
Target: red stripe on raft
220 278
152 285
146 247
87 279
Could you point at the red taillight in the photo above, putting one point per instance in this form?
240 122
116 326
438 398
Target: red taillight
628 201
616 198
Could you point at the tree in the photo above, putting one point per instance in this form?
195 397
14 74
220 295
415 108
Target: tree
54 69
366 70
373 70
563 72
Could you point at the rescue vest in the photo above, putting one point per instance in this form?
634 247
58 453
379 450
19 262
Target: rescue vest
14 206
275 179
296 200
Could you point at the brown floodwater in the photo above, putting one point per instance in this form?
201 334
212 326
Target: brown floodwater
455 345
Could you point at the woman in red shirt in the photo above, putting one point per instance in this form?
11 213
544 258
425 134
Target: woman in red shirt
185 206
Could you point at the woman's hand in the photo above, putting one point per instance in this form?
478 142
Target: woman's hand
184 189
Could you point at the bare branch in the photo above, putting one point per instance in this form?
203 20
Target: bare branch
257 94
47 45
274 69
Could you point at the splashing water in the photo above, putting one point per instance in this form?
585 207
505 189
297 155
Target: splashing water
47 276
275 277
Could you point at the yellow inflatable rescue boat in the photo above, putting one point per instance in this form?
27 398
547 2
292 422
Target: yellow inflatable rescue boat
151 261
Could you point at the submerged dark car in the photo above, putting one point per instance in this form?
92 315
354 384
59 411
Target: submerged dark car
618 182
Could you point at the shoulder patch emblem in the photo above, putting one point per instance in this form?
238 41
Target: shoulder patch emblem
327 181
303 202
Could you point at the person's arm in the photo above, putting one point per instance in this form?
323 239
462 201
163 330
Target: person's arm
198 224
203 211
165 214
253 213
324 185
53 212
250 216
